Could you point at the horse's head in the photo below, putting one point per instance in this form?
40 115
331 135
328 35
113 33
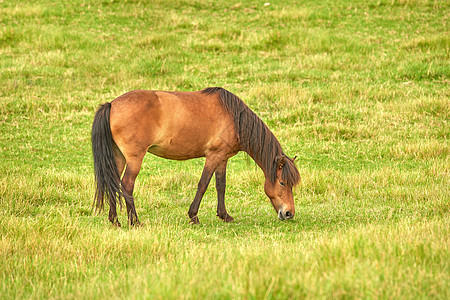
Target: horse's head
280 190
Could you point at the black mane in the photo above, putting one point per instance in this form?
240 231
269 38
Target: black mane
255 137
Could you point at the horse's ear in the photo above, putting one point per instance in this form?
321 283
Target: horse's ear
281 160
294 158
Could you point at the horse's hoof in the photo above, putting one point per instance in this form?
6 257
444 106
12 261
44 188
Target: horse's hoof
229 219
194 220
135 224
226 218
116 224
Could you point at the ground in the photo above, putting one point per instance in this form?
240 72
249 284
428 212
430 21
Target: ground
359 91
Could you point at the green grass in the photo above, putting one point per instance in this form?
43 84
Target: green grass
358 90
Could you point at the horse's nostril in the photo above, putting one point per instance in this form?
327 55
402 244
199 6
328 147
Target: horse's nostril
288 214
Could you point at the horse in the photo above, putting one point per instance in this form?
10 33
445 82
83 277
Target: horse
212 123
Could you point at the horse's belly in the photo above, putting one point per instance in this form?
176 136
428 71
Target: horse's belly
175 153
181 144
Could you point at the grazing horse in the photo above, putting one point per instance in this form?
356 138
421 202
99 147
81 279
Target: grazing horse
211 123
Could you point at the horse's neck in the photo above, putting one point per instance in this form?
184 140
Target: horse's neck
259 163
263 165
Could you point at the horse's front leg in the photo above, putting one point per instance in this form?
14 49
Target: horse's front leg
221 175
208 170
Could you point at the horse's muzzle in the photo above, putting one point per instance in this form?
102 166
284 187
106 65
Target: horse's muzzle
285 215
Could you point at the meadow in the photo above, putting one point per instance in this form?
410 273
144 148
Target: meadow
358 90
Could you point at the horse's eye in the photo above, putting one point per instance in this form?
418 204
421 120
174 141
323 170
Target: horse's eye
281 183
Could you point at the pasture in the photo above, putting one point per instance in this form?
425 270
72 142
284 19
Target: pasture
358 90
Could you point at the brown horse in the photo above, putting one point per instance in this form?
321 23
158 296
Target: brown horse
211 123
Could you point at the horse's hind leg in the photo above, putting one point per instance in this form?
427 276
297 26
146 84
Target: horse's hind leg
120 160
220 187
131 172
113 215
120 163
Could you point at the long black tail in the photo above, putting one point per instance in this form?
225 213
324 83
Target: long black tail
106 173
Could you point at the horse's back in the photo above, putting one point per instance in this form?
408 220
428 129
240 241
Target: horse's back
174 125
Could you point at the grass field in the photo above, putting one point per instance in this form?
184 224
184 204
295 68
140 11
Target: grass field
358 90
